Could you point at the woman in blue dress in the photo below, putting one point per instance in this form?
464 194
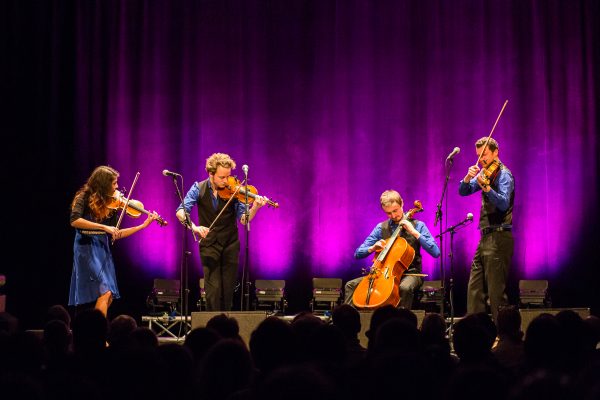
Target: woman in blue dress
93 278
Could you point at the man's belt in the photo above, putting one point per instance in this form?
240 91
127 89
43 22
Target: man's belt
490 229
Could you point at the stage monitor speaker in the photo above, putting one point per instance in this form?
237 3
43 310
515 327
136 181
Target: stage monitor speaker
327 293
270 295
166 290
247 320
528 314
365 322
430 297
534 294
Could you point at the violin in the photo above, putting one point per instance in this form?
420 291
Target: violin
135 208
490 172
234 188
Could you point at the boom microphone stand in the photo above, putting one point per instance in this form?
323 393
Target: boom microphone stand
183 269
439 218
452 231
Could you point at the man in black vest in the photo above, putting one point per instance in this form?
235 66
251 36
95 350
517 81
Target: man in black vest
220 246
489 269
416 234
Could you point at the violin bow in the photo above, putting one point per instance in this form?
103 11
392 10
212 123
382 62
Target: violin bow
137 175
492 131
223 209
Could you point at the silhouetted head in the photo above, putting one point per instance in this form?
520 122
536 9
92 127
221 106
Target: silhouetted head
473 337
273 344
90 329
347 318
226 327
199 341
433 329
378 317
509 323
143 337
120 329
57 311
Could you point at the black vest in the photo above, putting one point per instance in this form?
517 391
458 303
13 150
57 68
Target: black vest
490 215
415 267
225 231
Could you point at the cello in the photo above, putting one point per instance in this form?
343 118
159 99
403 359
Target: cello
380 286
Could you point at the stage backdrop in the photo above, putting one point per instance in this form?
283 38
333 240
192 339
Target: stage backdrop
330 103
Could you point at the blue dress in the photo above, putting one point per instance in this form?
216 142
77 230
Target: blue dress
93 267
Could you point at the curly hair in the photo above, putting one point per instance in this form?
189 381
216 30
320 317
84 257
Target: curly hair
219 160
98 190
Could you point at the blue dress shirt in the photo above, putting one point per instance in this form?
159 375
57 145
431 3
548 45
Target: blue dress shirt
193 195
425 240
500 192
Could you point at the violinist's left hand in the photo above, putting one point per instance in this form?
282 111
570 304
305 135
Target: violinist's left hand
259 201
410 228
151 217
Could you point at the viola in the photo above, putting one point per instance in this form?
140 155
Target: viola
381 286
134 209
490 172
234 188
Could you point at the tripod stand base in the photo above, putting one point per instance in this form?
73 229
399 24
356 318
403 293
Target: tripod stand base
167 326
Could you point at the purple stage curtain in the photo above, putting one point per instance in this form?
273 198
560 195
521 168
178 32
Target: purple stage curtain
332 102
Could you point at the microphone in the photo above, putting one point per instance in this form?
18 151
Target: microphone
465 221
455 227
166 172
245 169
454 152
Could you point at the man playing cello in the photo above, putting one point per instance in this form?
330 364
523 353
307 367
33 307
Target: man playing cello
416 234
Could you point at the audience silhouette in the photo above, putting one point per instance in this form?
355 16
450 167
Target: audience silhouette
310 357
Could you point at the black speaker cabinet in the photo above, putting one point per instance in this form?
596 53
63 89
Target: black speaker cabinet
528 314
247 320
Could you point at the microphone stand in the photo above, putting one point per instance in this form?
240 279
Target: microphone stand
183 269
439 218
452 231
245 286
